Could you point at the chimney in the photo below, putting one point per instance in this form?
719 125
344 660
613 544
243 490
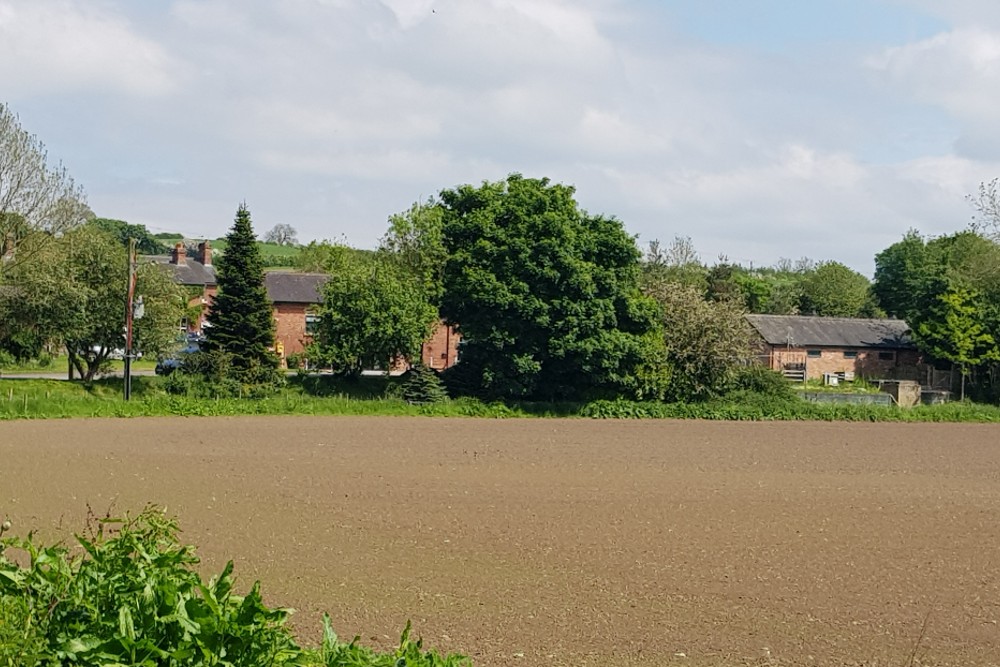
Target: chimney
205 252
179 255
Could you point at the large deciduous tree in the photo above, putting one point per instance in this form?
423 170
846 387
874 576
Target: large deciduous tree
545 296
38 200
282 234
72 294
948 290
240 314
374 314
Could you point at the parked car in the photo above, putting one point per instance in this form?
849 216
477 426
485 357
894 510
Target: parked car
168 365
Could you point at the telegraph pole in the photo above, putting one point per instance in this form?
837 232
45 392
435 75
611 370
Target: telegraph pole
129 316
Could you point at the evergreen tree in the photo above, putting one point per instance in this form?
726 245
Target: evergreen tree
242 325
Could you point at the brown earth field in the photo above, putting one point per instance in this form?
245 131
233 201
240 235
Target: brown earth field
566 542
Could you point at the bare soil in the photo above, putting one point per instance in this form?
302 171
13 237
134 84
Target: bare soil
567 542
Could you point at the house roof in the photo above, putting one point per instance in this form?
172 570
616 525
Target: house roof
290 287
811 331
191 272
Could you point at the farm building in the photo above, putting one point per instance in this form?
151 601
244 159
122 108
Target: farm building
811 347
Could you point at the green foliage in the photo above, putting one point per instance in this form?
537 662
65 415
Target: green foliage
707 342
953 329
328 256
764 382
327 395
73 293
544 295
146 243
38 200
677 263
422 385
373 314
415 241
242 331
948 289
132 596
834 290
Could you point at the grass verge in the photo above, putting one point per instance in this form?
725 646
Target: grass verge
44 399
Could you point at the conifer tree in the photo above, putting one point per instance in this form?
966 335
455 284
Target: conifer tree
240 314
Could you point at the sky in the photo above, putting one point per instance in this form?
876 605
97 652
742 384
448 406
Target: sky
761 130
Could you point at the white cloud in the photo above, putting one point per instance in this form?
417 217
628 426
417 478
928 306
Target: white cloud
49 46
333 114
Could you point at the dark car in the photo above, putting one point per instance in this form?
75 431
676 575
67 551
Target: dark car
168 365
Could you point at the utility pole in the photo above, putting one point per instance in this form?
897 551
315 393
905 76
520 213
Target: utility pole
129 316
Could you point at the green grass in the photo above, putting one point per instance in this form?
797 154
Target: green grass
46 399
60 366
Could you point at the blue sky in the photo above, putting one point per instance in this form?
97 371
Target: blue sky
761 130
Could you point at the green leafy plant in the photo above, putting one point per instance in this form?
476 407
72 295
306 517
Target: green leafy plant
129 595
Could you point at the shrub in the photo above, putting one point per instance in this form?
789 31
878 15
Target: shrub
755 379
421 385
132 596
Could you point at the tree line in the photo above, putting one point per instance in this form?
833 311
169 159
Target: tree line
553 303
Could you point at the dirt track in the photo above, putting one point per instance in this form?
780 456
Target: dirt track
542 542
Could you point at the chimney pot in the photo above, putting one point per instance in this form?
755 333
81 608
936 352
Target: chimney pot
179 254
205 252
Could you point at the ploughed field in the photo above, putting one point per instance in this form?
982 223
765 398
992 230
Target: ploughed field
566 542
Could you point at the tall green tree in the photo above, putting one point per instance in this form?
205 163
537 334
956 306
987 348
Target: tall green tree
374 314
546 296
953 329
240 314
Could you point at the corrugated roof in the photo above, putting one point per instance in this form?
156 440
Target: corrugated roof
289 287
809 331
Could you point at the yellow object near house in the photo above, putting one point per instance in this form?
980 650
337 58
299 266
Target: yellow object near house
280 349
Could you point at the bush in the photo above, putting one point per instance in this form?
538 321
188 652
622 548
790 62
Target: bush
421 385
132 596
762 381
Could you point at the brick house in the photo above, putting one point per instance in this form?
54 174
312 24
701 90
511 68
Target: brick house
296 297
808 346
197 274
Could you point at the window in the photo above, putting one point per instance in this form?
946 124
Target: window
850 354
887 356
814 354
312 323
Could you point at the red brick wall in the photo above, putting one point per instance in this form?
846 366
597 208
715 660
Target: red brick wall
290 327
441 350
904 365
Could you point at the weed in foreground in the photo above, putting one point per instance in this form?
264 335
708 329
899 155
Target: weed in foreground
130 596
